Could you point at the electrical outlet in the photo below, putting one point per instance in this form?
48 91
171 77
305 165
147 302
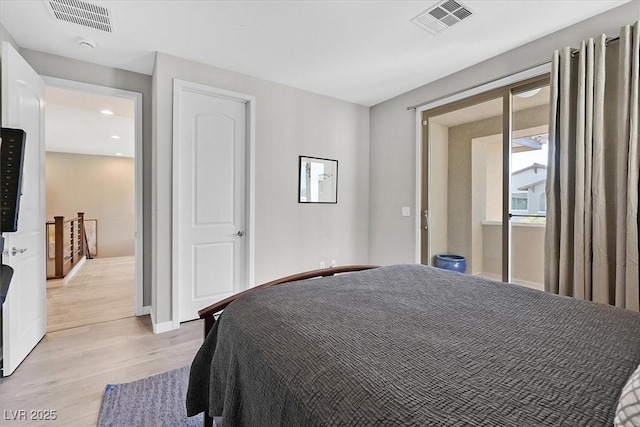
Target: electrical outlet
322 264
333 263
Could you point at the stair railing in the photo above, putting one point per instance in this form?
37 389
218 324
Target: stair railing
69 243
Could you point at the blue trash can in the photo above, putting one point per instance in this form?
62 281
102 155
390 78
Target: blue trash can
451 262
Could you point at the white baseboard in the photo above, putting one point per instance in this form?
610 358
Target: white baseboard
159 328
146 310
73 271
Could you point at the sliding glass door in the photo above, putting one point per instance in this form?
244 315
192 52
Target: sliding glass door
465 184
484 162
528 172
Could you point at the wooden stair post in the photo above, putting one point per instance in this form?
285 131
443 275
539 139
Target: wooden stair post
59 233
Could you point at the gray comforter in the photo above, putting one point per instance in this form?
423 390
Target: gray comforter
413 346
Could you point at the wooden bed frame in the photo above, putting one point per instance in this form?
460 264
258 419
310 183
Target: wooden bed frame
208 313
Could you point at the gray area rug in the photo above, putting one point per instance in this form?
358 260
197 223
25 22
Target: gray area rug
158 400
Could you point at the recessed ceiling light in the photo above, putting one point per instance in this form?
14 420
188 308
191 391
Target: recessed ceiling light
115 137
107 112
529 93
118 154
86 43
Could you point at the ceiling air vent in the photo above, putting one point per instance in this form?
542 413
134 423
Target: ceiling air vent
442 16
82 13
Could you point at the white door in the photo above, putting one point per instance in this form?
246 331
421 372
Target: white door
209 157
24 313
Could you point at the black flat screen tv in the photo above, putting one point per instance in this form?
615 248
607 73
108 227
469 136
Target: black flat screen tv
12 150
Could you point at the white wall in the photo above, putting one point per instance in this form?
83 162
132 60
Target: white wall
289 237
393 130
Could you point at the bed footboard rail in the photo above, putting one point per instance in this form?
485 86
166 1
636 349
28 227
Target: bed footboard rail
209 312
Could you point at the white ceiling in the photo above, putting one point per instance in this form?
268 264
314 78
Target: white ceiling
360 51
75 124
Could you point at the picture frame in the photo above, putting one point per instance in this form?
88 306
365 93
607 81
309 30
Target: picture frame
317 180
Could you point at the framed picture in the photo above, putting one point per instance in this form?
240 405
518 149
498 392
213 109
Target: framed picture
66 240
51 240
318 180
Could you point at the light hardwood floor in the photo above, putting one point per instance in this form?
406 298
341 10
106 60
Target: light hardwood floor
103 290
69 369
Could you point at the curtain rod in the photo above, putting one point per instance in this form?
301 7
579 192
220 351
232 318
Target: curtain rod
415 107
608 40
612 39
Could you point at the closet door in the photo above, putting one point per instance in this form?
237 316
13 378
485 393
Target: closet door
210 193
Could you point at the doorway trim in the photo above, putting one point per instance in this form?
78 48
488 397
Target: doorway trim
422 146
250 164
139 238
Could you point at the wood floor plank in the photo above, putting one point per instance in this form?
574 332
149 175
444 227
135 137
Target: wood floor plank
103 290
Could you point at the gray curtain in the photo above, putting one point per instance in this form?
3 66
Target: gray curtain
591 241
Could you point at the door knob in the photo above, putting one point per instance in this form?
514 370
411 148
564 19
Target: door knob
15 251
240 233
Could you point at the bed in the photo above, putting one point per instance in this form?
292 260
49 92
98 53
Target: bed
411 345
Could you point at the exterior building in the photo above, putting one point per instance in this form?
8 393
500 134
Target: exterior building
528 190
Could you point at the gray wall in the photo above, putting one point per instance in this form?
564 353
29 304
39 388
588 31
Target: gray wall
79 71
393 131
6 37
289 237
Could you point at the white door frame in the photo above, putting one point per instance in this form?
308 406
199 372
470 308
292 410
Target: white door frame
249 260
467 93
137 98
